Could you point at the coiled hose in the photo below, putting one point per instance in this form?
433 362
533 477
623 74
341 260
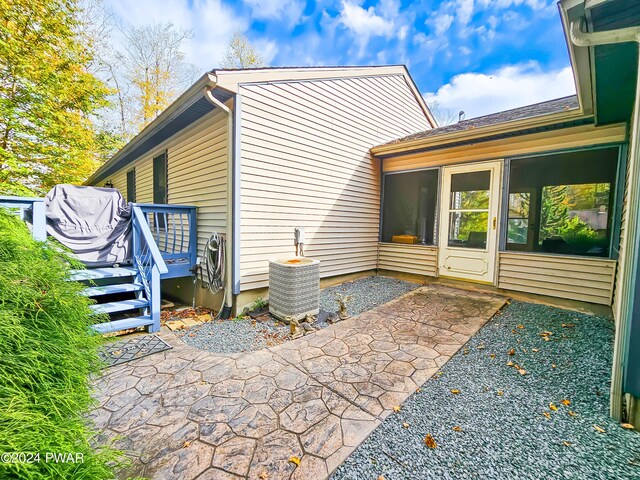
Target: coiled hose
213 255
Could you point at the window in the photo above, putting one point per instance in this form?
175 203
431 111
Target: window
160 185
469 209
409 207
562 203
160 179
518 218
131 185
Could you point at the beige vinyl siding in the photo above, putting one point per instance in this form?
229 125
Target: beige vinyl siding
196 171
416 259
119 180
575 278
197 174
305 162
144 180
566 138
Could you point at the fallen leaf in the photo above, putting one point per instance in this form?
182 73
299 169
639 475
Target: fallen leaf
535 350
513 330
520 326
524 350
547 414
500 393
628 426
405 425
553 365
553 407
295 460
455 391
568 325
565 402
571 413
567 444
418 390
186 444
396 408
429 441
381 478
511 352
510 363
480 347
522 371
466 351
457 429
598 429
492 355
263 476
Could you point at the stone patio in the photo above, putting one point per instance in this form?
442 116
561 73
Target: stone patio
186 413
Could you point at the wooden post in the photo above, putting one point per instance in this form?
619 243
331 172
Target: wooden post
155 299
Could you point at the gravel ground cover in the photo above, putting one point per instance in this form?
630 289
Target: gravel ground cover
510 405
367 293
235 336
245 335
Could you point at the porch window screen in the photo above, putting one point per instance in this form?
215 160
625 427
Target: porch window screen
131 185
562 203
409 207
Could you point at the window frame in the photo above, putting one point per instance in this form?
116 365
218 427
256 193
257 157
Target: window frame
618 187
131 188
436 220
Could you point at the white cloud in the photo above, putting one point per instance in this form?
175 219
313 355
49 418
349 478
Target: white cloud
277 9
464 11
509 87
440 23
364 22
211 21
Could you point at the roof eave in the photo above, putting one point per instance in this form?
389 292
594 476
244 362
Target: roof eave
476 133
580 57
177 107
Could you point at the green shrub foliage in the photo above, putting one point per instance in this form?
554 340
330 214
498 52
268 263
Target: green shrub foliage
47 354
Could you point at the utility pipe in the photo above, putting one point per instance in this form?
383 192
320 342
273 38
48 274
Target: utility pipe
581 38
228 300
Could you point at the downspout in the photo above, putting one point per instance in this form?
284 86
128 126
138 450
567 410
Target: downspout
592 39
228 291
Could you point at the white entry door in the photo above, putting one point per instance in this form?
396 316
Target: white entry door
469 221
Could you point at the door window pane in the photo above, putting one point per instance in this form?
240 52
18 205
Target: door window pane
470 190
409 207
468 229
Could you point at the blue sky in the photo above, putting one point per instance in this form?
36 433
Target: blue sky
478 56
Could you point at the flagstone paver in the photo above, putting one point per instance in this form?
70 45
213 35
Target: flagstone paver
186 414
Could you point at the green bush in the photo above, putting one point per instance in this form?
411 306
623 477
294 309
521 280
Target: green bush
47 353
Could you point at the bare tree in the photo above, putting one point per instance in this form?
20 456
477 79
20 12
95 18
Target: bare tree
443 115
156 67
241 54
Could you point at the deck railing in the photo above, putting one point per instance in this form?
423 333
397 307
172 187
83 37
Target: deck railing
173 228
30 210
149 264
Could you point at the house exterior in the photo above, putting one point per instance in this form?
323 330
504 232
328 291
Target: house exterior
541 199
263 151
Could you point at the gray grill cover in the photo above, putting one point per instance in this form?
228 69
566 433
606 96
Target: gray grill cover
94 223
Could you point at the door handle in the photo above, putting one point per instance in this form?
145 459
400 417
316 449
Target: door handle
495 223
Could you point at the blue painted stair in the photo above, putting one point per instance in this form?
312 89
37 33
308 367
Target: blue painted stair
103 284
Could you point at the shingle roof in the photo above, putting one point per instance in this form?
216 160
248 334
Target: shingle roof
538 109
